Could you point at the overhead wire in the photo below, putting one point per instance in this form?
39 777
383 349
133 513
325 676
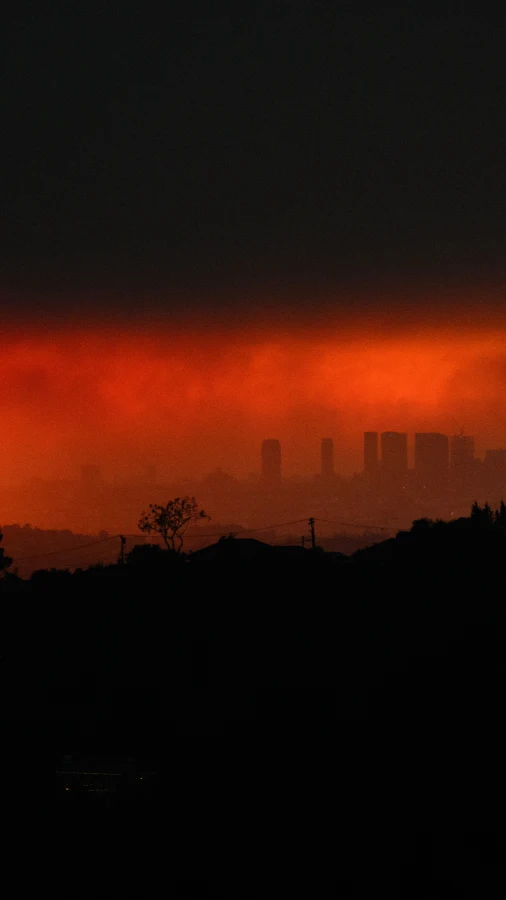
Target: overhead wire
64 550
242 531
114 537
354 524
246 530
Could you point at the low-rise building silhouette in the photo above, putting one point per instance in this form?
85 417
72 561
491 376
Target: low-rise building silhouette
495 460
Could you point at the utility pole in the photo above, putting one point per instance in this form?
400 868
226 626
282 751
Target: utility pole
313 539
121 559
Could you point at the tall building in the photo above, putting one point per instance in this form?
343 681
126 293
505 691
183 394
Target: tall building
431 460
271 461
327 456
394 456
370 452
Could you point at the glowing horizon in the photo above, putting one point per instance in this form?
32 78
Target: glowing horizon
188 400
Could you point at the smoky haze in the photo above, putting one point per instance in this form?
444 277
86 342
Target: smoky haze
189 399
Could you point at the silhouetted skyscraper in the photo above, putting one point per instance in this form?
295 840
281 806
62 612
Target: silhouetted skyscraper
431 460
370 452
394 456
327 452
271 461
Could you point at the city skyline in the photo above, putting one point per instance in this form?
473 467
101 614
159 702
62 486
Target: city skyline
125 400
394 449
443 480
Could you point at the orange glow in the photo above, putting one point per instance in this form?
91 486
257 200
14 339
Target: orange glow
188 402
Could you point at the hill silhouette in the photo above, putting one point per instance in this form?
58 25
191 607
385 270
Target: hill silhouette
316 725
478 539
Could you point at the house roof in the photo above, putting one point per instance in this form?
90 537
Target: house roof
244 549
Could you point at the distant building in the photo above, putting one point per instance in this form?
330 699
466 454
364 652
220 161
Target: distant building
461 453
370 452
90 476
394 456
431 460
327 459
494 466
495 459
271 461
494 472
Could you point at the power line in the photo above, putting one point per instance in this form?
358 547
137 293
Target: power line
114 537
246 530
279 525
355 524
198 534
65 549
353 540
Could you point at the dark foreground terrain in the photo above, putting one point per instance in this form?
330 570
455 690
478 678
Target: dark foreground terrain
335 731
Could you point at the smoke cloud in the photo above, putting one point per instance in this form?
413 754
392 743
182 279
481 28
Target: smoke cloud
188 400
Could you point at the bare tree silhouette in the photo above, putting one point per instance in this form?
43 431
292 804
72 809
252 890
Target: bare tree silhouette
172 520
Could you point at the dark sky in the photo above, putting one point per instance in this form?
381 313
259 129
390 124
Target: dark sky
218 148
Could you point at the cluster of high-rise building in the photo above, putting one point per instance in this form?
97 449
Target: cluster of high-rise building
402 478
438 460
